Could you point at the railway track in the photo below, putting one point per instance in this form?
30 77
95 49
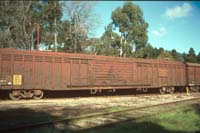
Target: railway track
46 100
100 119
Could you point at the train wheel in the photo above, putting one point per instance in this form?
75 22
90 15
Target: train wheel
15 95
93 91
171 90
162 90
38 94
194 88
144 89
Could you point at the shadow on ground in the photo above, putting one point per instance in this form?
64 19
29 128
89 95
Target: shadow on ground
197 108
21 116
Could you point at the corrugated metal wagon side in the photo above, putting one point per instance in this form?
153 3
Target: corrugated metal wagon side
27 73
22 71
171 75
193 76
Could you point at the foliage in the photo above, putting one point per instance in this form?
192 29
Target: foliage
165 55
191 56
93 46
146 52
198 58
177 56
50 21
82 21
110 43
132 26
16 25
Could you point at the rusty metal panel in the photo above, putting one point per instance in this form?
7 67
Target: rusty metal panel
163 75
6 65
170 67
177 75
145 73
122 73
155 74
84 73
139 72
38 72
75 72
134 72
79 72
28 71
103 72
0 64
191 78
91 73
193 73
57 73
197 75
48 68
183 71
173 76
150 73
113 72
18 64
66 73
163 72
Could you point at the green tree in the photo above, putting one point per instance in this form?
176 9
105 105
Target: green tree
165 55
156 53
18 24
198 58
16 27
94 46
110 43
174 53
146 52
191 56
63 37
177 56
48 14
132 26
184 56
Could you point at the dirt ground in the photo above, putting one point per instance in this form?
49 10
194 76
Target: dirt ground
14 113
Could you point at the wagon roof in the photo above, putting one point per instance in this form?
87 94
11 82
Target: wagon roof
192 64
86 56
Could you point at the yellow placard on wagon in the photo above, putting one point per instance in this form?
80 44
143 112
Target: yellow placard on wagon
17 79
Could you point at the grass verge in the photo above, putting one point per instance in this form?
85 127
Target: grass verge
183 119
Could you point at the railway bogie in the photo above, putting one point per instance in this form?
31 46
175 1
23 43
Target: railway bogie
169 89
19 94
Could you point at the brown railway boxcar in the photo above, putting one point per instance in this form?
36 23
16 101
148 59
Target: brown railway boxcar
28 73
